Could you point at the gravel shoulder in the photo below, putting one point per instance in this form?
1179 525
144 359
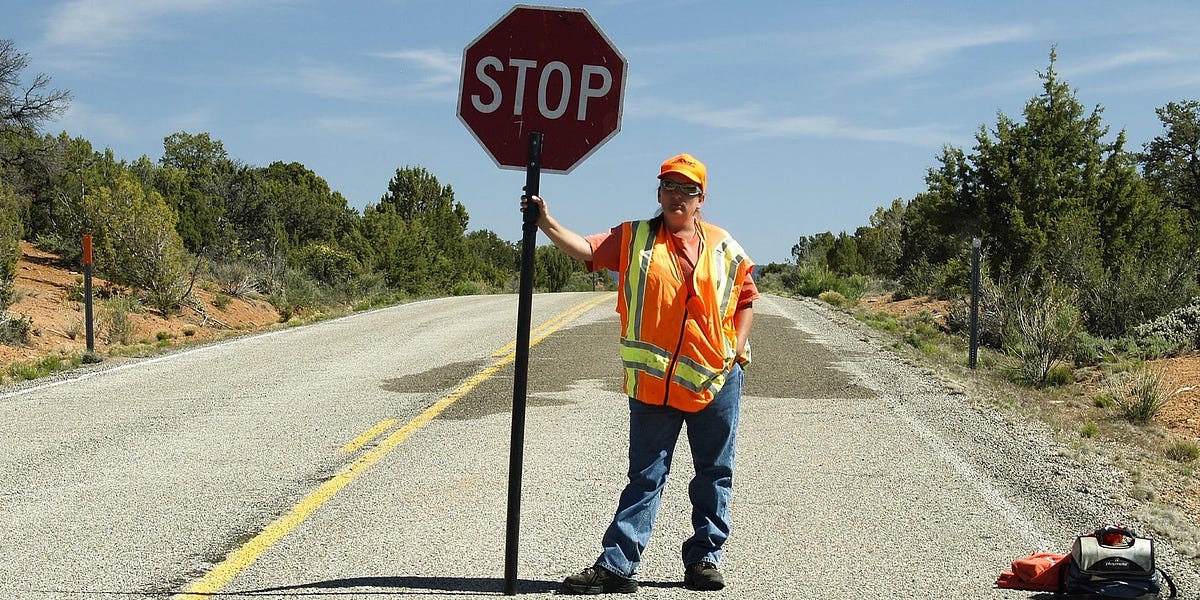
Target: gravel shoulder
1049 490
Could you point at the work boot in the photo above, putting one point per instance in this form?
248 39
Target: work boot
598 580
704 577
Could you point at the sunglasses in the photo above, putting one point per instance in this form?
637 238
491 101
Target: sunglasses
688 189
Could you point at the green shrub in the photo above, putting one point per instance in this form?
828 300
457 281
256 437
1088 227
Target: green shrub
811 281
1140 394
327 264
880 320
1045 320
1060 374
466 288
42 367
1089 351
943 280
237 279
221 301
297 294
75 293
1089 430
1179 327
833 298
1104 399
1182 451
15 331
115 317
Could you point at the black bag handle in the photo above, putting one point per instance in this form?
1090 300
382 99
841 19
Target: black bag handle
1170 583
1128 537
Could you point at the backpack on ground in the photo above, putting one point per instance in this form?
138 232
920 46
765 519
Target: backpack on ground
1113 562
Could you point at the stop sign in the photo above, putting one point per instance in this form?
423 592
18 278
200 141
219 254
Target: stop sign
542 69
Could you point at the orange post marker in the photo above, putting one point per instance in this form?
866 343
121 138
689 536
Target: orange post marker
87 249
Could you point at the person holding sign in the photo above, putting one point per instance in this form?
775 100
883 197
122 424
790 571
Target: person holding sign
686 305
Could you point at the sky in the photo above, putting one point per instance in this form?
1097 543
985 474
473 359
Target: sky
808 115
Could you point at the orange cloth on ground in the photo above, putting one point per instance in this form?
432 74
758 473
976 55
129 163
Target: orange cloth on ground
1040 571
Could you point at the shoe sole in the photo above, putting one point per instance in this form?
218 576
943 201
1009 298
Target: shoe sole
630 587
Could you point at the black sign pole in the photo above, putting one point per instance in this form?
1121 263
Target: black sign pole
973 350
533 171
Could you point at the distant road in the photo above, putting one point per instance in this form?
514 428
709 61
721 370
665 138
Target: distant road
368 456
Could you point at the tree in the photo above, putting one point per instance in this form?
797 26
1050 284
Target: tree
305 210
813 250
25 161
1051 198
843 257
10 244
398 249
552 268
940 222
496 260
199 174
136 242
55 215
879 243
436 225
24 108
1171 162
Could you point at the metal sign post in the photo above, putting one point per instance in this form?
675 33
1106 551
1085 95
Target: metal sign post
89 323
516 457
973 352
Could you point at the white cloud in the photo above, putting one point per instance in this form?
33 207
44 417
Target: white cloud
434 75
344 124
106 23
914 50
329 81
1112 62
755 121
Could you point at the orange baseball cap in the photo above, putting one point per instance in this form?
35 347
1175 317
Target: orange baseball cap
688 166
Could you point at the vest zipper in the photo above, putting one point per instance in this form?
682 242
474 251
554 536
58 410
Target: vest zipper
687 286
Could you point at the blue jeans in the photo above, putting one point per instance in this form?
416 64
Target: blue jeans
653 432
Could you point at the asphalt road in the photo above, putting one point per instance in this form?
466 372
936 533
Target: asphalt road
367 457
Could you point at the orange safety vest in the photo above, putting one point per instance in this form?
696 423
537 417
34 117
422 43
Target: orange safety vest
677 350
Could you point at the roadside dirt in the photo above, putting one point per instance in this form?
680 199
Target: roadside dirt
44 288
1181 376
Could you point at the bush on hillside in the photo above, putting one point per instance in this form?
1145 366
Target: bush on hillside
1180 326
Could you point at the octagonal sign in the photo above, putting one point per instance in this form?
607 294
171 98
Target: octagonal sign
542 69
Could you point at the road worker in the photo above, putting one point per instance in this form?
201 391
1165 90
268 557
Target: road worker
686 304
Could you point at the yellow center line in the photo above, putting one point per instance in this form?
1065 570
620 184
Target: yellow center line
237 561
565 317
357 443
